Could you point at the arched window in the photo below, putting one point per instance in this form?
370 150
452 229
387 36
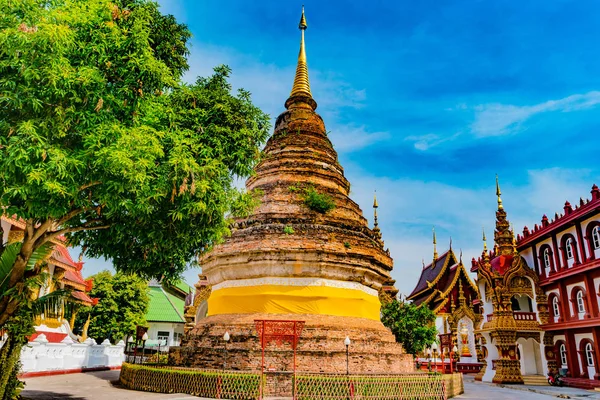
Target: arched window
547 258
596 237
555 306
562 350
580 302
589 354
569 248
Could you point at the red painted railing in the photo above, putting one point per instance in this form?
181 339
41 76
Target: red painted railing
524 316
489 317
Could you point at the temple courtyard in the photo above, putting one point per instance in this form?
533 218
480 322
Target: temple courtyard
103 386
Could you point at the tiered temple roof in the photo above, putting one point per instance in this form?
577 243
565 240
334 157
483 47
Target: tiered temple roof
443 284
66 269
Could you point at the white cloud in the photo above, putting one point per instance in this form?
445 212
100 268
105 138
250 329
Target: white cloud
501 119
409 208
346 138
430 140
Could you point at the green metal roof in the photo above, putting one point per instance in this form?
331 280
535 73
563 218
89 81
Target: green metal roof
164 307
181 285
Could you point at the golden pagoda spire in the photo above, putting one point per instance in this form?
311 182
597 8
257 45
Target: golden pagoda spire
301 88
435 253
484 240
499 194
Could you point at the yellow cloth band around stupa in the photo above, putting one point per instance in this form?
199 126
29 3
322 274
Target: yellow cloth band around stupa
292 299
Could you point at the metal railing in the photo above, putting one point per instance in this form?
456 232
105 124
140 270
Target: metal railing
213 384
350 387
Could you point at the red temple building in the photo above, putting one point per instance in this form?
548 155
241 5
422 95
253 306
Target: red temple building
565 253
446 288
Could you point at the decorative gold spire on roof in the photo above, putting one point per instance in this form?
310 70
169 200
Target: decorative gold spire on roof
435 253
499 194
376 229
484 240
301 88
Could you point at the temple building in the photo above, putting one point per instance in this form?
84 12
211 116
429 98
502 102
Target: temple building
54 348
446 288
306 254
63 272
515 310
564 253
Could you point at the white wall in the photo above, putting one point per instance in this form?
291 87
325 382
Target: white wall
39 355
172 328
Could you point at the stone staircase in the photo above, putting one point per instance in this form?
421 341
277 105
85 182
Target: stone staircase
535 380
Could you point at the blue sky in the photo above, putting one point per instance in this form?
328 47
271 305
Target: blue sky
426 101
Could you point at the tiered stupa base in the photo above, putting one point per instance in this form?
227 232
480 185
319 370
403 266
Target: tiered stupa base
321 348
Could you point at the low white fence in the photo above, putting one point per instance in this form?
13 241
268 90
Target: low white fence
41 356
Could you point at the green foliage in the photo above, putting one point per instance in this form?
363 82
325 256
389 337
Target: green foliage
292 188
122 304
210 384
20 325
347 245
288 230
101 142
319 202
401 386
245 203
412 326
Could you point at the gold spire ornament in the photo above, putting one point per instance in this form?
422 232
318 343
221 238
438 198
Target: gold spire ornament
435 253
499 194
484 240
375 221
301 88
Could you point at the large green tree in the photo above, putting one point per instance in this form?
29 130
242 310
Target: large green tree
122 304
101 142
412 326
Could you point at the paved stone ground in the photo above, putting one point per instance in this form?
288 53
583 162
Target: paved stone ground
479 390
91 385
99 386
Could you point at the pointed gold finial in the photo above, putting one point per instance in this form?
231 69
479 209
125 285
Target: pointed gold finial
301 88
435 253
484 240
375 204
499 194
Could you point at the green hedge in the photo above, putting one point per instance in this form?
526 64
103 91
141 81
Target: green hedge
407 387
202 383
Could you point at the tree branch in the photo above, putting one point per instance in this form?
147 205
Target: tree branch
89 185
85 227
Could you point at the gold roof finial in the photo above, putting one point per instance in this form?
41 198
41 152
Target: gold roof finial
435 253
484 240
301 86
375 205
499 194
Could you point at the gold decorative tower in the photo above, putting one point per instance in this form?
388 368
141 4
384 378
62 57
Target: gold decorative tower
290 260
503 277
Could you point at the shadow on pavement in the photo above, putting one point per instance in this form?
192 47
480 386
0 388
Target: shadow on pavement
45 395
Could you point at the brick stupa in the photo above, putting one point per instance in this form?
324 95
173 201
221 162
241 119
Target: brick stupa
287 261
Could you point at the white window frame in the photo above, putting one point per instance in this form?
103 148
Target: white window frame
569 248
580 302
547 258
589 354
596 237
562 350
556 306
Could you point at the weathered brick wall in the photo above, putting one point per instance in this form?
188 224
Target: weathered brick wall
320 349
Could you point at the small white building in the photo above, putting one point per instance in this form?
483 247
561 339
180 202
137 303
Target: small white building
165 314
